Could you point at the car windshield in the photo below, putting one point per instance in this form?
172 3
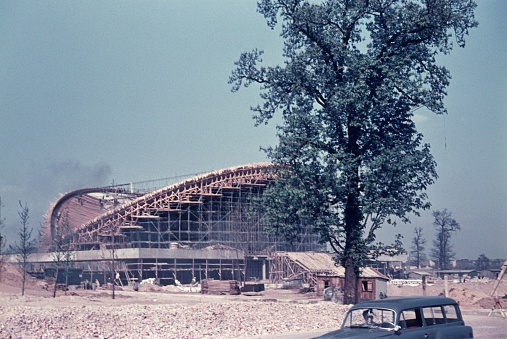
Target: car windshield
370 317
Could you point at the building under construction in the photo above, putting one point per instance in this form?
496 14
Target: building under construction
207 226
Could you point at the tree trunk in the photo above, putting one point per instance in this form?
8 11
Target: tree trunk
350 288
353 234
66 279
23 280
56 283
352 219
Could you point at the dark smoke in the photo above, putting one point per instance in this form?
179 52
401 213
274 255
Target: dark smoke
40 185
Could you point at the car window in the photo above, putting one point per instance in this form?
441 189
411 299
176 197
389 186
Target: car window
410 318
451 313
440 314
370 317
433 315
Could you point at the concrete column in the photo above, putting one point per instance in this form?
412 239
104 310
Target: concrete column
263 268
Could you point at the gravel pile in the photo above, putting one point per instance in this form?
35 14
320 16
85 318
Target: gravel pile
37 317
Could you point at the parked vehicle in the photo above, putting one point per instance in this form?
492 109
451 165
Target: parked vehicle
409 317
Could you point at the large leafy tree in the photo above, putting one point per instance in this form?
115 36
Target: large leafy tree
350 156
442 250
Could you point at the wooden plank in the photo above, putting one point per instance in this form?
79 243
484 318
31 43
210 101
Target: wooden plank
166 209
145 216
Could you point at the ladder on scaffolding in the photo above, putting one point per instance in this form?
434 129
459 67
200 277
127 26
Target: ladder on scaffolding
127 273
132 280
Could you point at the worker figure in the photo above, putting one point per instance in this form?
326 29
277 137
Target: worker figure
368 318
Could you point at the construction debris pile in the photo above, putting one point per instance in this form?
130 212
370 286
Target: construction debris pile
102 317
157 313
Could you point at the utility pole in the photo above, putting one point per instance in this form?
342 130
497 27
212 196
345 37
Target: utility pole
1 224
2 259
1 237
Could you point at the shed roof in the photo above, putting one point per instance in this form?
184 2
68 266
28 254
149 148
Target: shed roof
323 263
420 273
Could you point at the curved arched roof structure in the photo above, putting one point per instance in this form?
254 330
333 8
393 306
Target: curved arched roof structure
214 209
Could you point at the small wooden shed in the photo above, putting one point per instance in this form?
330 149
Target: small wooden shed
318 270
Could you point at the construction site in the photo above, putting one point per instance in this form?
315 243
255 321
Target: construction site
203 227
206 231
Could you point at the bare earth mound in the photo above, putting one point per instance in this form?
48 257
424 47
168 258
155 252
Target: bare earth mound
470 294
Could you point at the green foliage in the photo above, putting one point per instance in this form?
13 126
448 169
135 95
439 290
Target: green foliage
417 253
350 157
26 245
483 263
442 250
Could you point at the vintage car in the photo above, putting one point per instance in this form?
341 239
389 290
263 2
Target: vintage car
409 317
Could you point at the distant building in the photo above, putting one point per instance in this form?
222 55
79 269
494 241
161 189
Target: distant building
391 266
199 228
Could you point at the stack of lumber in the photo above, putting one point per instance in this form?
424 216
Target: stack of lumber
211 286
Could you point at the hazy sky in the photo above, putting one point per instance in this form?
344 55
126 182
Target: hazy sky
93 92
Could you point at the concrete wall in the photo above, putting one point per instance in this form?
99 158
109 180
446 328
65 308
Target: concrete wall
137 253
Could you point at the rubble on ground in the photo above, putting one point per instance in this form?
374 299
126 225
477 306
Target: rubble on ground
168 312
77 317
156 312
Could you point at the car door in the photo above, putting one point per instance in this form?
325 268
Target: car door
413 326
433 319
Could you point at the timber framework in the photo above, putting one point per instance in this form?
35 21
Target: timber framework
206 226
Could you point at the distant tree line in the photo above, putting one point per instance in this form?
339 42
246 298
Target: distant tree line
442 252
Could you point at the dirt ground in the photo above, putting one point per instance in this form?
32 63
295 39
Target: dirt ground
155 312
470 294
163 312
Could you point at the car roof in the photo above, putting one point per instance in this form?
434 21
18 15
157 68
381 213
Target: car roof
402 303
